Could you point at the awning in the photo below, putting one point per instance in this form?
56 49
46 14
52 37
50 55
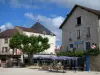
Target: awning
53 57
44 56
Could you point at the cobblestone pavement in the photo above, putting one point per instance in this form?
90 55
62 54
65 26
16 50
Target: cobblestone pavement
26 71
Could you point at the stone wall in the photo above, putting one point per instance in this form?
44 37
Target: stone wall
95 63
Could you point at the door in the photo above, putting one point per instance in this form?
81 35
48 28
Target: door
87 45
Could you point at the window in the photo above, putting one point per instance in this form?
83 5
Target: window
70 36
78 34
87 45
78 21
88 32
4 49
6 40
44 32
71 45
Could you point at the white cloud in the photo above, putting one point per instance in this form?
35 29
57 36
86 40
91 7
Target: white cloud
6 26
57 20
46 3
52 23
95 4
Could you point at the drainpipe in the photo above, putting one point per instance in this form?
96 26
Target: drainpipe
87 63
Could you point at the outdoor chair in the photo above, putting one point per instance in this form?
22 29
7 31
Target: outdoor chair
56 68
45 67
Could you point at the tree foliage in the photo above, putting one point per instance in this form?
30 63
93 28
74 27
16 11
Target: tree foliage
92 52
32 44
15 41
76 53
29 45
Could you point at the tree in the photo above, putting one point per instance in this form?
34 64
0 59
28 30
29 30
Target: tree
30 45
38 44
15 41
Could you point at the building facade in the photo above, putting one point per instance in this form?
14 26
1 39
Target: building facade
36 30
81 29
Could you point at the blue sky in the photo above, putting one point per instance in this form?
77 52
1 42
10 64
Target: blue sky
50 13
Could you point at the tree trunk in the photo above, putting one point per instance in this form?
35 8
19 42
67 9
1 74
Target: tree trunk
13 51
30 57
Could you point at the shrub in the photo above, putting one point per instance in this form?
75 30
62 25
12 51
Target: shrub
92 52
72 53
80 53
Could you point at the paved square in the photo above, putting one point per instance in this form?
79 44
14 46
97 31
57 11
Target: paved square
26 71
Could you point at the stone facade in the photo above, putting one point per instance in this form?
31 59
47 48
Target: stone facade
95 63
88 19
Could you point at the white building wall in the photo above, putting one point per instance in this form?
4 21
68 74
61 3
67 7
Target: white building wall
88 19
3 44
52 42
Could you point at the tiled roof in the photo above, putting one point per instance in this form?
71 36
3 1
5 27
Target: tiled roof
39 28
36 28
8 33
96 12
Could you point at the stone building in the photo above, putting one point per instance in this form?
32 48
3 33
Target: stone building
80 29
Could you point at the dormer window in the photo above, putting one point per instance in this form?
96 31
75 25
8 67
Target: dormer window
78 21
44 32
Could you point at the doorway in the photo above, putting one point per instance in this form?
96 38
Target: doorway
87 45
